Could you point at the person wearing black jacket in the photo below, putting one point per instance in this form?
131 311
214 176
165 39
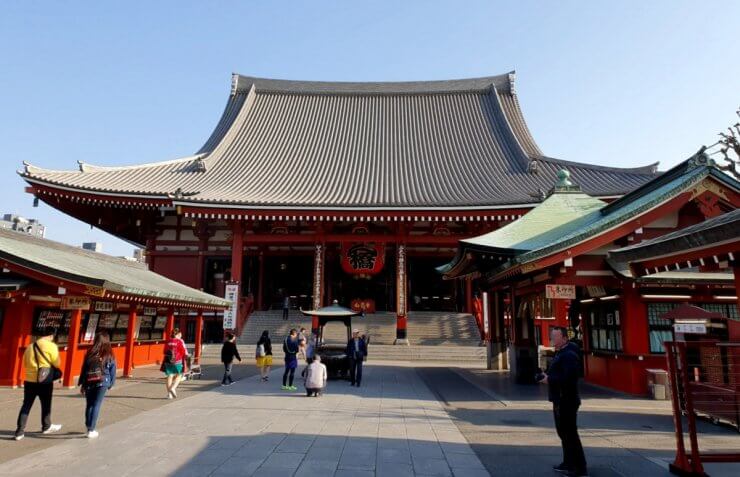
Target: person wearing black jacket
562 381
356 353
228 353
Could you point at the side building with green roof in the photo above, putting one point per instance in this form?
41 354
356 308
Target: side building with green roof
550 268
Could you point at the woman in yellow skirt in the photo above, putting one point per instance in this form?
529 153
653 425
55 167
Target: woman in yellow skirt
263 354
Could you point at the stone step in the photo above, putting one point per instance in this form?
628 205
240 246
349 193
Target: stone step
438 353
424 328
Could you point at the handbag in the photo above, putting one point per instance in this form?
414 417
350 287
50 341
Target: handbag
46 374
261 351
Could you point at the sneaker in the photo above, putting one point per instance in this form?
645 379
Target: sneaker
232 382
285 388
52 428
292 388
19 435
173 393
92 434
562 468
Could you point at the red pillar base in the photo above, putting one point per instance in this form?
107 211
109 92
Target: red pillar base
401 336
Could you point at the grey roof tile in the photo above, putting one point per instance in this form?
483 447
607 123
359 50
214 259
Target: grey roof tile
435 144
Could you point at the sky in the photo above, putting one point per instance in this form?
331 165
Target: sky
623 83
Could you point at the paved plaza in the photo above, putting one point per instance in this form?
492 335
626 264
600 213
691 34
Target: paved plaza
406 420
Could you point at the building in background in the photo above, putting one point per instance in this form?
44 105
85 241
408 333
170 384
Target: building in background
93 246
22 224
610 271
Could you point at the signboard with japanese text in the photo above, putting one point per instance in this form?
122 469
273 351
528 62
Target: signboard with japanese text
103 306
75 303
92 325
486 317
690 328
231 294
560 292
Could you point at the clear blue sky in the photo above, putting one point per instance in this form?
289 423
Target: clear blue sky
615 83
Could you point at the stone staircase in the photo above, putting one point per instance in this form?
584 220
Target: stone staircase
433 336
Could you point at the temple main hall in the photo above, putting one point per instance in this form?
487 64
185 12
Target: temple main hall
308 192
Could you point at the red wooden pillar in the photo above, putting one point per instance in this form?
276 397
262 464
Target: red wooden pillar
237 251
73 348
198 334
237 259
401 304
736 271
128 362
634 321
170 324
182 323
13 337
261 280
468 295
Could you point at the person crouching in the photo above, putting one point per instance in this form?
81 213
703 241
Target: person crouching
315 377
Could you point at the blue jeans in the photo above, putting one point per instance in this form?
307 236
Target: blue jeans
94 397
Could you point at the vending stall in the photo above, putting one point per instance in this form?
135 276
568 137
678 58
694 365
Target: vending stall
45 284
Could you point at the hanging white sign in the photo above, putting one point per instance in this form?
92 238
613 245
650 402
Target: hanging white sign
231 294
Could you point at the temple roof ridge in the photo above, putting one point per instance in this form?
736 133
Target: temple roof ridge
241 83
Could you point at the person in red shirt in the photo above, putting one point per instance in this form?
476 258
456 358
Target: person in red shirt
173 363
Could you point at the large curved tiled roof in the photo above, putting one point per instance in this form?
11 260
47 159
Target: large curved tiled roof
294 144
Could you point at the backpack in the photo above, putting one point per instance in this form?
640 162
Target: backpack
95 373
169 355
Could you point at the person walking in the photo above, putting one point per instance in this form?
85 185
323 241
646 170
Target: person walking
264 355
228 353
286 306
315 377
290 348
356 352
562 381
173 363
97 376
41 363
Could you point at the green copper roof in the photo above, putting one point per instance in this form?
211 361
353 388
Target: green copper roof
566 219
116 275
559 213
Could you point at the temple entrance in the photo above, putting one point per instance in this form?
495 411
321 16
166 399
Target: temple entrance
377 291
288 275
428 291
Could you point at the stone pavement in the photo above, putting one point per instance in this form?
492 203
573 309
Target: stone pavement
392 426
143 392
510 427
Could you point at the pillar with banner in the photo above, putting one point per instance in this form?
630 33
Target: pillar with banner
318 284
230 314
401 304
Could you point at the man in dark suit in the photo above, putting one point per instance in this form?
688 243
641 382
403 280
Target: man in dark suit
562 381
356 353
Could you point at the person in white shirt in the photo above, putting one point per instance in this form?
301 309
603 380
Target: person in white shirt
315 377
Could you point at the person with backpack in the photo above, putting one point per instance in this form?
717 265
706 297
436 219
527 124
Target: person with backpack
97 376
41 363
264 355
228 353
173 363
290 348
